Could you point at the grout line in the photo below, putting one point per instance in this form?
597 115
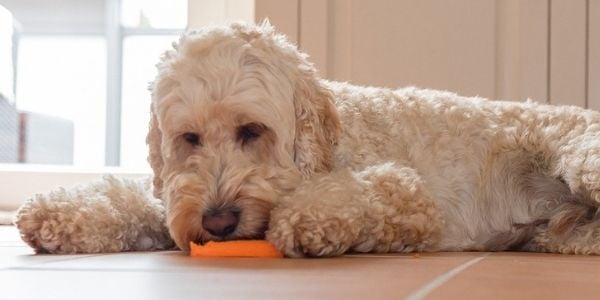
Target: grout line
587 54
425 290
103 270
58 260
549 54
110 270
299 23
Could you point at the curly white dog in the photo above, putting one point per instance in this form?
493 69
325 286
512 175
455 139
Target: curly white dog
246 141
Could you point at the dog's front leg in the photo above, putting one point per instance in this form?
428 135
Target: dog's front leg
109 216
384 208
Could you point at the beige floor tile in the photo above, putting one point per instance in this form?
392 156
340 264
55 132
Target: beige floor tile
194 278
508 275
15 253
16 257
171 261
174 275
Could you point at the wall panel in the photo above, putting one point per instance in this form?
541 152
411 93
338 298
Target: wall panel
567 52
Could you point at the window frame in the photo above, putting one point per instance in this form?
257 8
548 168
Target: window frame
25 180
115 35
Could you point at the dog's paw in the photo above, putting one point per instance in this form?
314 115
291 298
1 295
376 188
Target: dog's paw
41 228
59 223
310 232
47 229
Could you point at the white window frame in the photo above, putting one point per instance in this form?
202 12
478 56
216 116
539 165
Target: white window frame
21 181
115 35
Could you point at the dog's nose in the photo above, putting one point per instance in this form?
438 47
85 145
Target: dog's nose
220 223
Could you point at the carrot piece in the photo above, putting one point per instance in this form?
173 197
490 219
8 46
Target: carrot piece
241 248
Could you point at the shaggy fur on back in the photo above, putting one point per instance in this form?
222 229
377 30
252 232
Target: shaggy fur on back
242 126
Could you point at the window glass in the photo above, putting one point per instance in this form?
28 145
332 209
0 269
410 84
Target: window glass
61 92
140 55
53 104
53 107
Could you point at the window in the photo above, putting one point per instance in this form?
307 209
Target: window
66 82
80 78
148 29
139 57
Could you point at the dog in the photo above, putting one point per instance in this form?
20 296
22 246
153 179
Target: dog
247 142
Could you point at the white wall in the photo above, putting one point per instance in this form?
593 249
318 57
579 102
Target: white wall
204 12
21 182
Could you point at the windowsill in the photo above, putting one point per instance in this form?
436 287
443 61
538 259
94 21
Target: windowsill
35 168
21 181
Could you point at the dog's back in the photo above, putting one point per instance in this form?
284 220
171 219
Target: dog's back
490 166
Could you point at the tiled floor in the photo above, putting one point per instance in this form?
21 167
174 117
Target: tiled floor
173 275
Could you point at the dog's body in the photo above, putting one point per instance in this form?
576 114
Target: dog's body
244 135
495 171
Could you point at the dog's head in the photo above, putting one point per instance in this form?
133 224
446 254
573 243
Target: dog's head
238 118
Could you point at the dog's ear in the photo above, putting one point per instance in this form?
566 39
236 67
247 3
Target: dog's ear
158 88
153 139
317 124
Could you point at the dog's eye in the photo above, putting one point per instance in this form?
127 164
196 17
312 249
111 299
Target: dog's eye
250 132
192 138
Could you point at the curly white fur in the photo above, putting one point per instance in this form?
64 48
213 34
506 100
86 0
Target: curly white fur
334 167
108 216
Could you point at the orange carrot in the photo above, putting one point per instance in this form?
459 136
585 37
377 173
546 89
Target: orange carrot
241 248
